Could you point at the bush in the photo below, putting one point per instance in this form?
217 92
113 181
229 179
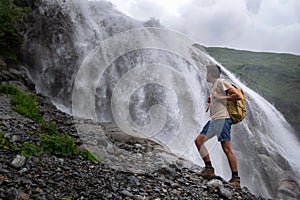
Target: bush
26 106
8 89
3 142
11 19
87 155
49 128
29 149
59 145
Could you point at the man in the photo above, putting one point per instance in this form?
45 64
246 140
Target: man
220 124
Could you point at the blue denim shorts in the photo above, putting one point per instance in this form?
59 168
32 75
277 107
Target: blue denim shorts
220 127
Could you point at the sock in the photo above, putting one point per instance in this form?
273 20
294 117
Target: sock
235 174
208 164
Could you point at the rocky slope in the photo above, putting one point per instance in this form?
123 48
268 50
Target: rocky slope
52 177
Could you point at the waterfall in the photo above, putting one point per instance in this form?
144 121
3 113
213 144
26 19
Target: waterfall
99 64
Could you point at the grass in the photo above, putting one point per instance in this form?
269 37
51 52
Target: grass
59 145
3 142
24 104
51 142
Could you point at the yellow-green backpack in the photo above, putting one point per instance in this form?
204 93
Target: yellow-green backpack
237 108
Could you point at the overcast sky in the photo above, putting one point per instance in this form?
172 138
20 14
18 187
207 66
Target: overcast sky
258 25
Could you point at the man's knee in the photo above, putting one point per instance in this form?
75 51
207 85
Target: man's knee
199 141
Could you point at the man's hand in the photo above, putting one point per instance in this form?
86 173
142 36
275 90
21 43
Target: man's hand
232 95
219 98
208 100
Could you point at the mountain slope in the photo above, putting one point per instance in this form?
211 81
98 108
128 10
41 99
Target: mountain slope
48 176
275 76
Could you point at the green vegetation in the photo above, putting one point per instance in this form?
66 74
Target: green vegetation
11 20
49 128
275 76
29 149
8 89
87 155
59 145
3 142
22 103
51 141
26 105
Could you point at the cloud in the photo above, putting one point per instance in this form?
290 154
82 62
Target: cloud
268 25
259 25
253 5
146 8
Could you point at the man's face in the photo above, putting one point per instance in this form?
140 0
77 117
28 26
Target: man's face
208 76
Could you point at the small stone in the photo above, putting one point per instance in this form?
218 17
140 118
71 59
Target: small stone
139 156
127 193
23 170
139 146
5 117
211 189
12 194
19 161
215 183
61 160
14 138
38 190
121 157
139 197
134 171
226 193
23 196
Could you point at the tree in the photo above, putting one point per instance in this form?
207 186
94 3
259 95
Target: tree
11 20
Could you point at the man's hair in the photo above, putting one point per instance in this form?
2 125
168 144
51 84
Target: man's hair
215 70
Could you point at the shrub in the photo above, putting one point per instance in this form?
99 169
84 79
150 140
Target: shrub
49 128
59 145
3 142
26 106
29 149
11 19
52 129
87 155
8 89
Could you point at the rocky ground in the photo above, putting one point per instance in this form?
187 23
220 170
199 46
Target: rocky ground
131 168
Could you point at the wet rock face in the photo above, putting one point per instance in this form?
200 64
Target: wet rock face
288 188
49 50
57 36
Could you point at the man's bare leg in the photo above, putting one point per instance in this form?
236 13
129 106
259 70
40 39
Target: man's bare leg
209 171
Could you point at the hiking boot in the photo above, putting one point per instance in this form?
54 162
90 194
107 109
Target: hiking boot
235 182
207 173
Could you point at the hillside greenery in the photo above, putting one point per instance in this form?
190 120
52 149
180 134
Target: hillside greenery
11 23
275 76
51 141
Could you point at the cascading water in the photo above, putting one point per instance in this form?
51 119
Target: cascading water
152 81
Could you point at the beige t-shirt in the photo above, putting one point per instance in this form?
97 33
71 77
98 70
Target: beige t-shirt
218 109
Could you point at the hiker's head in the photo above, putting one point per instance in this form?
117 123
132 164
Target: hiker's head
213 71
